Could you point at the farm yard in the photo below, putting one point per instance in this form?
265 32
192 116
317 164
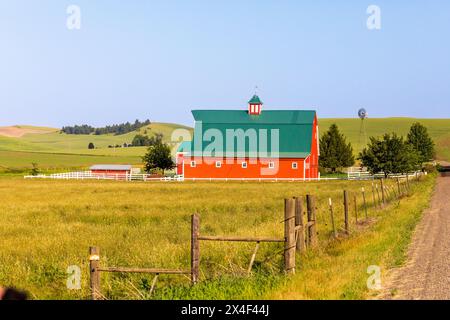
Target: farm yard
54 151
47 226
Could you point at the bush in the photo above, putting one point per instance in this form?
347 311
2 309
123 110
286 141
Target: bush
35 170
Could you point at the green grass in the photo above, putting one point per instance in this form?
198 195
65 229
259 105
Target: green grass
11 161
47 226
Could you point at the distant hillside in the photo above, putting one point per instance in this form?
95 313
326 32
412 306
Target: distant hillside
54 141
19 131
21 145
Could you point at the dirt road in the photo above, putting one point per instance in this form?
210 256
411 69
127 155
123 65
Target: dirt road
426 275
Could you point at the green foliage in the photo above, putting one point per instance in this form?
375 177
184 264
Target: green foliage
143 141
34 170
117 129
91 146
158 156
421 141
334 150
389 154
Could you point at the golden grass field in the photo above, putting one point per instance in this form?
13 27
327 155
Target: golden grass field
46 226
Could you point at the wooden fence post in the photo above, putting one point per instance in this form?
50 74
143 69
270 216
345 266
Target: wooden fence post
332 218
364 201
94 261
398 188
356 208
378 194
252 259
299 225
311 209
394 192
407 181
373 195
195 248
383 197
289 236
346 211
387 194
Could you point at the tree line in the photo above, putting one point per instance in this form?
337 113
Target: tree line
116 129
389 153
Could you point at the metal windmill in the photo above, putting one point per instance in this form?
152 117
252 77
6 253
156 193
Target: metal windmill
362 114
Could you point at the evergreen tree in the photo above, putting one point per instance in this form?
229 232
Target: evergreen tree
389 154
420 140
335 152
158 156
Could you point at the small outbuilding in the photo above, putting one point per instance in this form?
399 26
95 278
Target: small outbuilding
111 169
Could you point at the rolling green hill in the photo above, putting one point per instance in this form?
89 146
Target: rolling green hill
52 149
439 130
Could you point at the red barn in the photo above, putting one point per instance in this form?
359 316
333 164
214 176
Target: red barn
251 144
111 170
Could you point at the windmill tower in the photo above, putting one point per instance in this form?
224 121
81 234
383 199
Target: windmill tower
362 114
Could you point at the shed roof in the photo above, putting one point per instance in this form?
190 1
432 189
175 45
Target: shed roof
113 167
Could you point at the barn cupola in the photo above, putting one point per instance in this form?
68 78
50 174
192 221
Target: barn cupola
255 105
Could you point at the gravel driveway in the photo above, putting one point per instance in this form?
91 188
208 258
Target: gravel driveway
426 274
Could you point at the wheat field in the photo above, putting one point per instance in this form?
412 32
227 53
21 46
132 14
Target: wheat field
47 226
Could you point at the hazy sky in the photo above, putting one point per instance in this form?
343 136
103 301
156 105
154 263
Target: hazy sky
160 59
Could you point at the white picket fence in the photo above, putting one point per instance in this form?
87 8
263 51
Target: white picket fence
88 175
355 173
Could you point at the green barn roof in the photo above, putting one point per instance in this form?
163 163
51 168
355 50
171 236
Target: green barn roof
295 129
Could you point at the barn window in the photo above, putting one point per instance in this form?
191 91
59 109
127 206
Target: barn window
244 164
271 165
218 164
294 165
193 164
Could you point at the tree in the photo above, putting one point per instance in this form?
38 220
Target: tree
334 150
158 156
420 140
91 146
389 154
142 140
34 170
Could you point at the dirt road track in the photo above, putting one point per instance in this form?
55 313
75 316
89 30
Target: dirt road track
426 275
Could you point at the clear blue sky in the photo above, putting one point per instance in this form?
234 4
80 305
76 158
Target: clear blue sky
160 59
